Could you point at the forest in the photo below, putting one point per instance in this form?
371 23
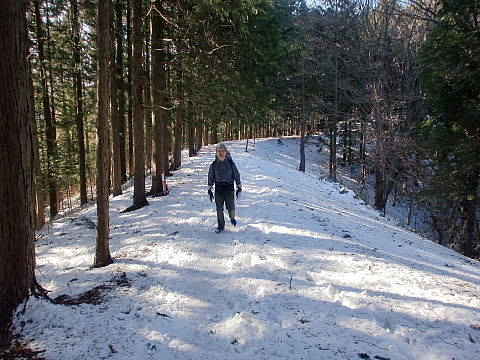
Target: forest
94 93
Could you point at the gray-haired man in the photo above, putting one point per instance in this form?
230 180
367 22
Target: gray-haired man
223 173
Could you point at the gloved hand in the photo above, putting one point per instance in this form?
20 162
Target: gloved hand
210 193
239 192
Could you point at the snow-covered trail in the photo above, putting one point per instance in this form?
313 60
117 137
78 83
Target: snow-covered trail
309 273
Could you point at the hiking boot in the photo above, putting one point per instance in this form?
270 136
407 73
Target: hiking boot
234 222
219 230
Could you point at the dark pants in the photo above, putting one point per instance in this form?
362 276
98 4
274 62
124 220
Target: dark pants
229 201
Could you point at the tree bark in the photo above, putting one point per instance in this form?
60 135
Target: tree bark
334 125
115 114
385 179
122 109
468 206
178 132
50 130
17 190
303 126
39 176
102 250
191 139
116 148
159 95
129 124
139 195
79 100
147 101
199 136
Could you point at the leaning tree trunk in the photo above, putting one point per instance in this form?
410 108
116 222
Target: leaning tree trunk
385 180
17 190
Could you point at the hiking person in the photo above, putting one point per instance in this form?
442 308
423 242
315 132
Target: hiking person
223 173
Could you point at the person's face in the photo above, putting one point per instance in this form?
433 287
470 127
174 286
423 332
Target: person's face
221 153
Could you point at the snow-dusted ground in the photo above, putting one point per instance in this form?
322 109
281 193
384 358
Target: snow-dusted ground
309 273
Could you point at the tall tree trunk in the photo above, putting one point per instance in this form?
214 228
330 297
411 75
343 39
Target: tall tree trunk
334 128
362 149
114 114
159 94
191 139
468 207
467 233
39 176
166 132
102 249
78 83
302 131
17 190
205 133
178 132
147 101
139 195
199 136
47 113
122 109
130 91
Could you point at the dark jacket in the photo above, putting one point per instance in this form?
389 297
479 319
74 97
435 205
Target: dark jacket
223 173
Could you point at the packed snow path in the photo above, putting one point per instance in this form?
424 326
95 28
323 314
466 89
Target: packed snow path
309 273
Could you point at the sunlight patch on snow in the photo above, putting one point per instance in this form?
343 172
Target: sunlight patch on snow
183 346
241 328
279 229
309 272
62 259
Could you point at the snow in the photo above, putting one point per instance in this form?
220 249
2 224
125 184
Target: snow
310 272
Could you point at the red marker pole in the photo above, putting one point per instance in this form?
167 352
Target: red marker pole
164 184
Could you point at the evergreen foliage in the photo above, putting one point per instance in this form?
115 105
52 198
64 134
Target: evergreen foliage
451 57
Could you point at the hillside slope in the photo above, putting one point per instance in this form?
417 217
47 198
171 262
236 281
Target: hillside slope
309 273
